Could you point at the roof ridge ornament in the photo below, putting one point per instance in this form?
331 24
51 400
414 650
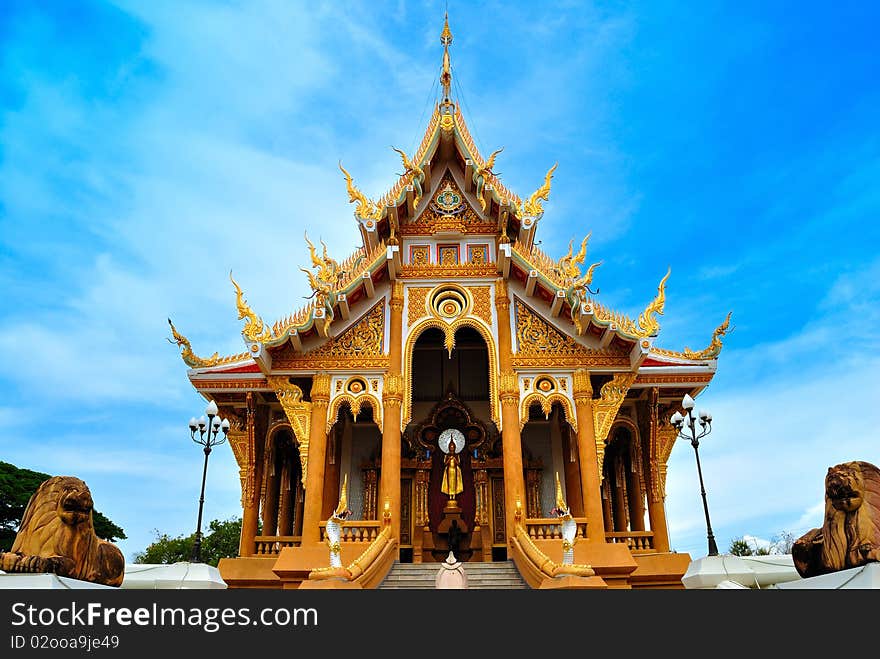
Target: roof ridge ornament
482 174
365 209
446 71
189 357
414 173
648 323
533 207
254 330
714 348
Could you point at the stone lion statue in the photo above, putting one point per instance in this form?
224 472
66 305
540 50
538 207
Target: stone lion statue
850 533
57 535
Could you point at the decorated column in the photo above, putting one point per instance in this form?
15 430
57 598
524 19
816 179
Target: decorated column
392 398
311 533
514 480
589 459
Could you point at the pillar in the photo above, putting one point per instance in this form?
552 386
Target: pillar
392 398
311 533
656 509
514 479
620 491
573 495
253 480
270 500
635 496
590 483
285 507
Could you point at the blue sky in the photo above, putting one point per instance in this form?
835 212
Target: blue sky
148 148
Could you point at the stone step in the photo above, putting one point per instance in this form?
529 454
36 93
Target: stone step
481 576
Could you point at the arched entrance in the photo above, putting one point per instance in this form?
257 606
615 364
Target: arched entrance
623 489
282 492
450 394
354 448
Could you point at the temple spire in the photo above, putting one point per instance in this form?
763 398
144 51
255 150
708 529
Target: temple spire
446 73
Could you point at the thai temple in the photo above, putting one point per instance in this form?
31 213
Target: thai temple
450 387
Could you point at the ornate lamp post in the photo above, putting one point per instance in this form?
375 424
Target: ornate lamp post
208 438
687 429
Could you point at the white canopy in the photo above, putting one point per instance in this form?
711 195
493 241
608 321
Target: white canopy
180 576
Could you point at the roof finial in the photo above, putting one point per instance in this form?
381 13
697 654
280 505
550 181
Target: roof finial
446 74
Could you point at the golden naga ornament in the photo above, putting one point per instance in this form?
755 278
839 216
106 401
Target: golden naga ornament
533 207
189 357
482 175
414 174
648 323
365 209
255 330
714 348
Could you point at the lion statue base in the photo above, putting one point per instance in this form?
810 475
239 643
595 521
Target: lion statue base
850 533
57 535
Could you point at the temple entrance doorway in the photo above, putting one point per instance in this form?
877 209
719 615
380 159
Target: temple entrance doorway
451 452
282 493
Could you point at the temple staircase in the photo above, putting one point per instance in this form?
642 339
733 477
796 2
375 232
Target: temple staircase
481 576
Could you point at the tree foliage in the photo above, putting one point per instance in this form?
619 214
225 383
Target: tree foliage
779 544
16 487
220 541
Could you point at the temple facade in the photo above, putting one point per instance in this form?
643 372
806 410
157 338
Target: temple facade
450 349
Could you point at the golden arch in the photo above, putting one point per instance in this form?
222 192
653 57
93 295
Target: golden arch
354 403
449 329
623 421
546 402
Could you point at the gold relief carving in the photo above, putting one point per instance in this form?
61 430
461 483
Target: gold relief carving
546 402
364 339
298 413
481 306
448 254
477 254
417 307
695 378
534 336
396 301
481 270
509 388
254 328
194 361
582 384
605 410
250 385
338 386
320 387
563 384
666 436
501 291
355 403
420 255
374 384
393 386
450 329
527 383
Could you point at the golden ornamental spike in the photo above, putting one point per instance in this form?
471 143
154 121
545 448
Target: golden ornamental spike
446 72
254 329
648 323
561 506
186 353
533 207
343 498
365 208
714 348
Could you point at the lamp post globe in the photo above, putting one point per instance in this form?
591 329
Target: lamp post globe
687 427
207 434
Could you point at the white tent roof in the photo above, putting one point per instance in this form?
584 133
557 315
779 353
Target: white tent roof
865 577
180 576
748 571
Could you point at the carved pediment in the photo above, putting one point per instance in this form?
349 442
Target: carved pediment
537 339
448 211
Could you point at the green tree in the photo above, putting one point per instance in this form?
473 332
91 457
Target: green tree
220 541
16 487
739 547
